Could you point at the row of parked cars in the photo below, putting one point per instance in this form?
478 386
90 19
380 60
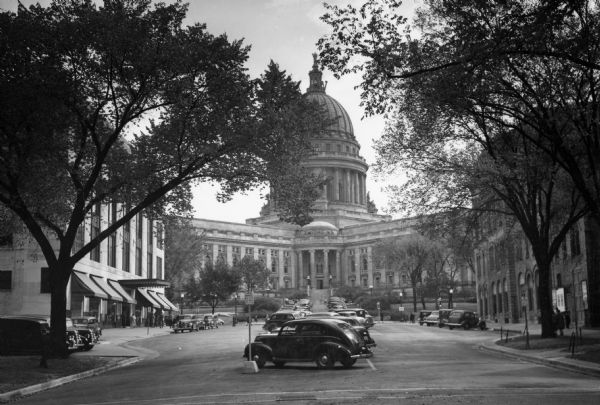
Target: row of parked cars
452 318
28 334
338 335
196 322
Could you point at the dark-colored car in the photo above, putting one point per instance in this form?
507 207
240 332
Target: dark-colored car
87 336
422 315
462 319
23 336
279 318
361 313
444 314
364 332
91 322
72 339
185 322
323 341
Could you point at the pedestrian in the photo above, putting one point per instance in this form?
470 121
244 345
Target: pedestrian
133 321
567 319
559 322
412 317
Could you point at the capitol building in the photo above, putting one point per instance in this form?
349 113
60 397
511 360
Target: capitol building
336 249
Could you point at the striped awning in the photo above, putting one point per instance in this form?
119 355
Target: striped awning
112 294
86 285
171 306
146 299
128 298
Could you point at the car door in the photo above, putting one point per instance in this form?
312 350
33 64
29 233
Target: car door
286 344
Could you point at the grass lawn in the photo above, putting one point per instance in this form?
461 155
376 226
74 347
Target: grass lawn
587 349
22 371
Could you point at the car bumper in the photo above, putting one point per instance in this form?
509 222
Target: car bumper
362 355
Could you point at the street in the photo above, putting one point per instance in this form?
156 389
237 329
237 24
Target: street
412 364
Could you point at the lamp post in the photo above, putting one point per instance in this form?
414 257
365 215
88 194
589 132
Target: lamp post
181 307
234 320
308 286
371 289
450 298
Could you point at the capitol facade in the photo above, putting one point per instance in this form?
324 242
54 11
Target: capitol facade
336 249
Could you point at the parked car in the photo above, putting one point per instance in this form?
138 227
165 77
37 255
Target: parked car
432 319
91 322
72 339
462 319
361 313
279 318
185 322
87 336
444 314
422 315
303 304
23 336
324 341
322 314
364 332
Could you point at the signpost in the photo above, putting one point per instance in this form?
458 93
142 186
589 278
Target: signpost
250 366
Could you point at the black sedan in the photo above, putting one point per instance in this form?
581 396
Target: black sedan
324 341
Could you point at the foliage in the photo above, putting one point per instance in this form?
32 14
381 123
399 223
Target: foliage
349 293
183 253
216 283
252 273
266 304
489 108
120 102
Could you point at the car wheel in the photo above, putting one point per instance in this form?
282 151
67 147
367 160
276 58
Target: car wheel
260 359
279 364
450 327
325 359
466 326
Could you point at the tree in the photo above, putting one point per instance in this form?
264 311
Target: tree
216 283
481 113
122 103
183 253
253 273
406 254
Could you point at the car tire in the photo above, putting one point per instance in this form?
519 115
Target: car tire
450 327
325 359
260 358
466 326
279 364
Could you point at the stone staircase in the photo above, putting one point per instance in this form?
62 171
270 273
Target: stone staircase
319 298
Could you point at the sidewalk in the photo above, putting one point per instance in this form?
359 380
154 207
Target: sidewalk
113 343
558 358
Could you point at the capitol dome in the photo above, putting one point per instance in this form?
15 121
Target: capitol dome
342 125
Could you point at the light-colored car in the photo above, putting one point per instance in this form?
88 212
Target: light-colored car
432 319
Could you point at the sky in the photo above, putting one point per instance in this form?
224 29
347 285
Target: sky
285 31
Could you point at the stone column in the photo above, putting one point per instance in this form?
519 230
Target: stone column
229 255
326 265
348 187
338 267
370 265
268 259
300 272
336 185
215 253
313 269
280 274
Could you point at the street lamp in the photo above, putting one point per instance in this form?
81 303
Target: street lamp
181 307
371 289
450 298
308 286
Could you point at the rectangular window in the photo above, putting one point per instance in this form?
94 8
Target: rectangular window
95 231
5 280
575 246
45 280
149 236
159 268
112 250
79 238
126 246
138 244
249 252
149 264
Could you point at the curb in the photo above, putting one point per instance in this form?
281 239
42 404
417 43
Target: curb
559 363
21 392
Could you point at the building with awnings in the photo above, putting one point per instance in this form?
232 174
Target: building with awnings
104 284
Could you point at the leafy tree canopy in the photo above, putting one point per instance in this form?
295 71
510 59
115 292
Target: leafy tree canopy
121 102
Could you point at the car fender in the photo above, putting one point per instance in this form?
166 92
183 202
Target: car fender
336 347
257 346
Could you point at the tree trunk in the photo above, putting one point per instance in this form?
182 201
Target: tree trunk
414 296
59 278
545 296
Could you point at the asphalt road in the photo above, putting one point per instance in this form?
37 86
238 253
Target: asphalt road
412 365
